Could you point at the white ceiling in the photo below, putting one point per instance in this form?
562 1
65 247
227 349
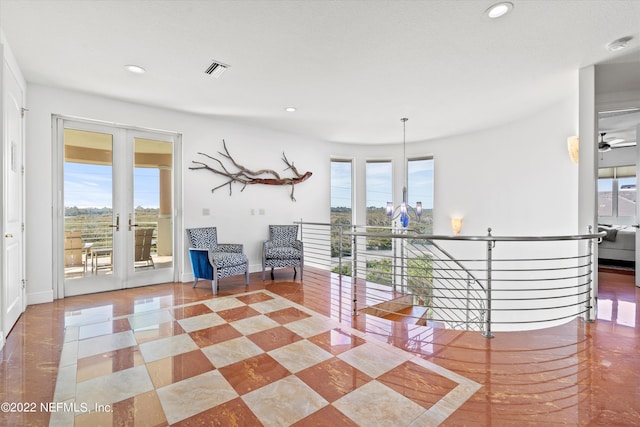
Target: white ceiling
352 68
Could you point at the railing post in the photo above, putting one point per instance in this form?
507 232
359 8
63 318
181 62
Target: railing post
588 306
340 249
354 271
404 270
394 259
490 244
302 240
467 300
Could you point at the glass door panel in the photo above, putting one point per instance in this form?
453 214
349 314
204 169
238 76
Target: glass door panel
149 208
153 205
89 219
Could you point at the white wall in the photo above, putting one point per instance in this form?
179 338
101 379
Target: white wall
517 179
256 148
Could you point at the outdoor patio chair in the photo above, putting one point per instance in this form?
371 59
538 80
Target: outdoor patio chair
76 250
283 249
144 239
211 260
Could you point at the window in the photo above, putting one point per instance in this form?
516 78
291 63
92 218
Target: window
627 196
341 211
420 189
379 191
605 199
617 192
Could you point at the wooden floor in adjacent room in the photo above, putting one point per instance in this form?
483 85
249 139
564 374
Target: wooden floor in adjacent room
284 352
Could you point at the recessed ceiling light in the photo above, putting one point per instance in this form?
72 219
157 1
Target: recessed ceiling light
290 109
136 69
499 9
619 44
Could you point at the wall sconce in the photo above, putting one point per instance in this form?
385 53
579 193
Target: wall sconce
456 225
573 145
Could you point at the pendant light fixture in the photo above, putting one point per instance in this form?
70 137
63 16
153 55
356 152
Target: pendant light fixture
404 206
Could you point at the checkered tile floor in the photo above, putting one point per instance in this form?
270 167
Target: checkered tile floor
248 359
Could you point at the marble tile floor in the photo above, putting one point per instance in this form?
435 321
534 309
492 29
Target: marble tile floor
286 353
275 362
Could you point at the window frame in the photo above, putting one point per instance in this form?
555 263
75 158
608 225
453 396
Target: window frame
615 174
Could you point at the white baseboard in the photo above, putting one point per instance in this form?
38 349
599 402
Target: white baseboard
40 297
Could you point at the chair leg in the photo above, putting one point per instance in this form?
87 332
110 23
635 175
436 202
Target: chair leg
195 282
301 272
246 277
295 273
271 273
214 281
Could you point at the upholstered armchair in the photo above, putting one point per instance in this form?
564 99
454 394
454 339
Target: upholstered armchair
211 260
283 249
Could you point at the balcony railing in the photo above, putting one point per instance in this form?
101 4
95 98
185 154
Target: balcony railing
482 283
85 237
100 233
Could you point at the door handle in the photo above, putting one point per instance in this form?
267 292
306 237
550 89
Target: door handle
9 236
130 224
117 224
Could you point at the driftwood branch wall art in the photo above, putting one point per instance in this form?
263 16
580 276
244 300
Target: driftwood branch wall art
237 173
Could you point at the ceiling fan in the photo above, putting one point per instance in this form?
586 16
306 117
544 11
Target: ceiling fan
604 146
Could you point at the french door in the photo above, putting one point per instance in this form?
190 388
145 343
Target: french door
115 207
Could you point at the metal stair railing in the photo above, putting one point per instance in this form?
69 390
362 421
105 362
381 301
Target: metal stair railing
509 282
451 295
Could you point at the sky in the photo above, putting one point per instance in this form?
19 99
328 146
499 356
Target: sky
90 186
378 185
420 188
604 184
340 184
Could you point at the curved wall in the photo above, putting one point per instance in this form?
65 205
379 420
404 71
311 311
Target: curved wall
517 178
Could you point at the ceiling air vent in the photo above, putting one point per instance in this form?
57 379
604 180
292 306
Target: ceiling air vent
216 69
